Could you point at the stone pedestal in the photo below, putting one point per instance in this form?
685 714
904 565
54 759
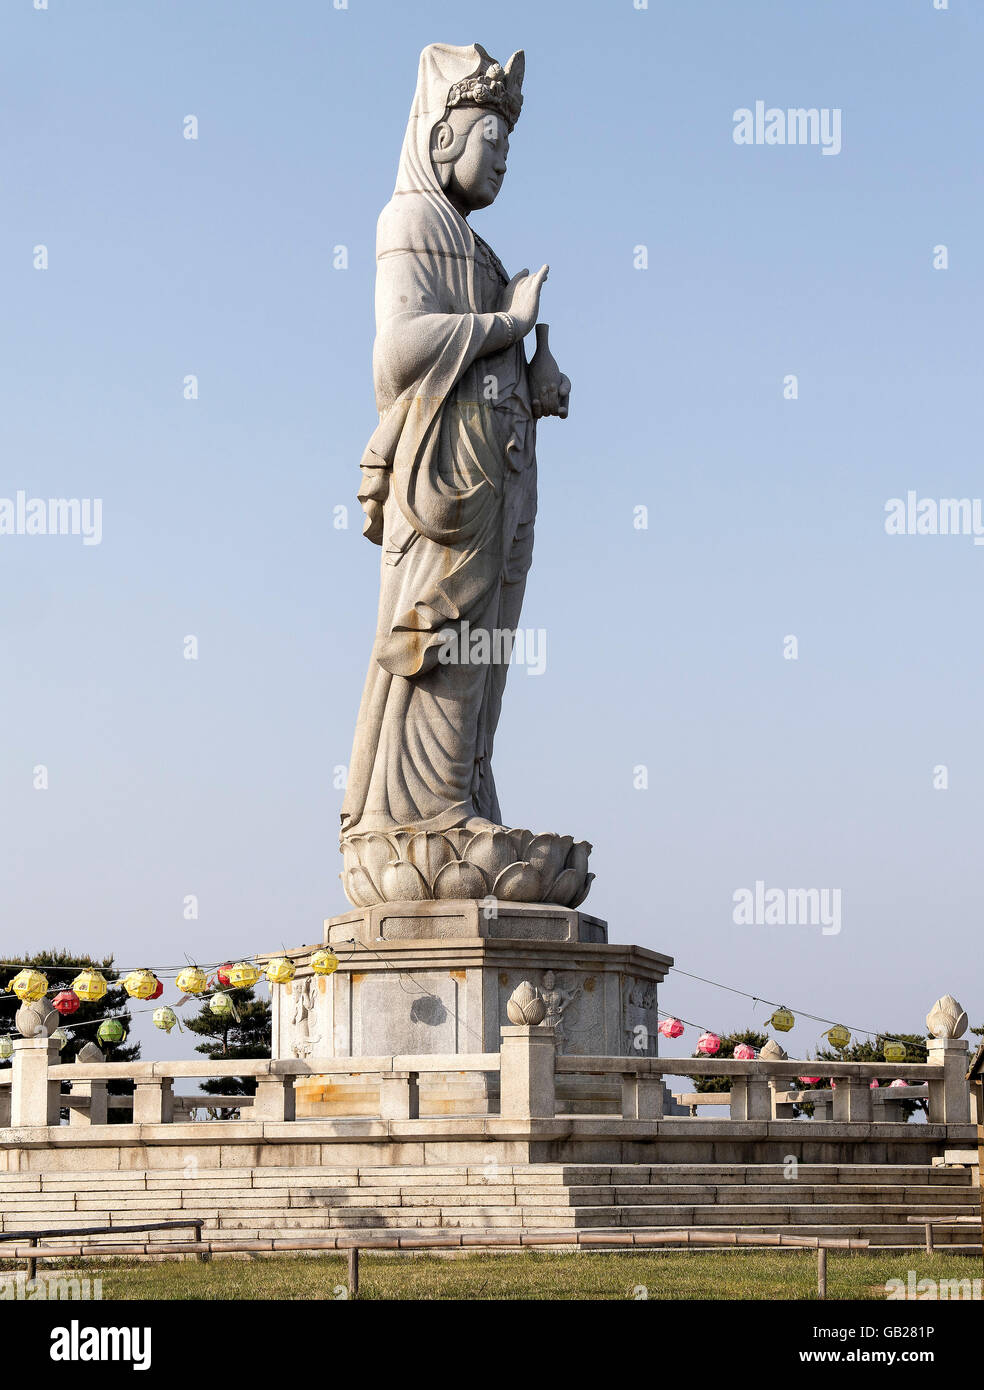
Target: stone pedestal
434 977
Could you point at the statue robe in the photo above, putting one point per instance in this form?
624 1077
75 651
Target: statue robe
449 490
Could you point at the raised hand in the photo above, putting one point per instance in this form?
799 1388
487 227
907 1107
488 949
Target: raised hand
521 298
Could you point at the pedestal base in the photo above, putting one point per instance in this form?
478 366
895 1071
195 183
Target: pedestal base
435 977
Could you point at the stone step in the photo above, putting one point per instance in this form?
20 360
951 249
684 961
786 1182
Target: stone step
834 1193
568 1174
769 1173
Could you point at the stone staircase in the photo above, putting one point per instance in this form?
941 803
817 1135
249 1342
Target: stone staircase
871 1201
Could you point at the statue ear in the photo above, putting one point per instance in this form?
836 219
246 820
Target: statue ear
445 148
443 141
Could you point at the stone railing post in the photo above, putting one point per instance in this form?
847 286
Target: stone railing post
642 1096
94 1109
852 1100
34 1099
153 1100
5 1105
275 1099
399 1096
526 1080
751 1098
949 1098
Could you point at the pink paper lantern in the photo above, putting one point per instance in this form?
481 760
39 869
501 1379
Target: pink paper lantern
808 1080
873 1085
708 1043
670 1028
744 1053
897 1082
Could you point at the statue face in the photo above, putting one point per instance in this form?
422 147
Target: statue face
548 979
478 144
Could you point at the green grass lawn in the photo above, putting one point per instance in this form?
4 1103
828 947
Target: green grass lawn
531 1274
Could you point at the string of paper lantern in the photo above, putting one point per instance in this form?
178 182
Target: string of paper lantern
31 984
90 986
837 1033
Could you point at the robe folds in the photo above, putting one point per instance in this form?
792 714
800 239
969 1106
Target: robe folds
449 492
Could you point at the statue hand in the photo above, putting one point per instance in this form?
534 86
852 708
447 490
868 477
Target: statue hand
549 389
521 298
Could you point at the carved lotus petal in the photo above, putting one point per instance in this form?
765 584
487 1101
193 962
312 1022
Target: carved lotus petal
359 887
566 884
403 882
400 840
522 839
430 854
578 857
946 1019
492 851
374 853
518 883
460 881
582 893
548 853
525 1006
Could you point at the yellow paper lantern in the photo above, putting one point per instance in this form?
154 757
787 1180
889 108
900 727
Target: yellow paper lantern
782 1020
894 1052
165 1018
222 1006
281 970
29 985
324 962
192 980
90 986
243 975
140 984
838 1035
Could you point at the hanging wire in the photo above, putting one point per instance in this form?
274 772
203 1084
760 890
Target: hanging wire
172 971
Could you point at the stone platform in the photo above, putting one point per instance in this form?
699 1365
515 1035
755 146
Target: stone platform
435 977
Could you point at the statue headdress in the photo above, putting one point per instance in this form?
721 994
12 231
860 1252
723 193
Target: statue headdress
498 88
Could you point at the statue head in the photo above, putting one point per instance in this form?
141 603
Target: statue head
468 151
469 145
548 979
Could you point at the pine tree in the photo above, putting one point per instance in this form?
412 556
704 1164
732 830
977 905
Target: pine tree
250 1037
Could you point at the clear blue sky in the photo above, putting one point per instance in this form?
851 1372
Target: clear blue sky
213 257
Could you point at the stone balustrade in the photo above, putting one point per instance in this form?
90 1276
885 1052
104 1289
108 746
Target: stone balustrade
528 1066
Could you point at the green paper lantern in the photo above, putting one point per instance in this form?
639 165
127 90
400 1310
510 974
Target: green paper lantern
110 1031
